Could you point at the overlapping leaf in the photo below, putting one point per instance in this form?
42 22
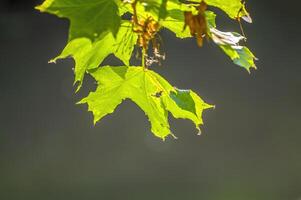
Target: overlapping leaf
88 18
241 56
153 94
233 8
89 55
229 43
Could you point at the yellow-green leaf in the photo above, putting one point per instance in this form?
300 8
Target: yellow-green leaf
88 18
89 55
153 94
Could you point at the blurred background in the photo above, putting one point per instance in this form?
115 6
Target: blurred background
250 148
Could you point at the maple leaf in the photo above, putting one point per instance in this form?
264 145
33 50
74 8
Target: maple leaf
88 18
89 55
153 94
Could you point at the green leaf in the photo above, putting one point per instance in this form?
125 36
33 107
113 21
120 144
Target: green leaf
163 10
168 12
229 43
89 55
241 56
153 94
233 8
175 23
157 7
89 18
210 18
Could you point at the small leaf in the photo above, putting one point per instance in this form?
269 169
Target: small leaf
229 43
246 59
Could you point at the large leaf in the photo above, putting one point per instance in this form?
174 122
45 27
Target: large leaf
89 55
89 18
153 94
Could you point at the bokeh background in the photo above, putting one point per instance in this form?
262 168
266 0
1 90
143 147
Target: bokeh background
251 143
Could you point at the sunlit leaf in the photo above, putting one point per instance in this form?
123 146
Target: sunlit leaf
153 94
89 55
88 18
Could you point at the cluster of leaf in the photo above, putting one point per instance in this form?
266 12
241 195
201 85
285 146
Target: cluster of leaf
99 28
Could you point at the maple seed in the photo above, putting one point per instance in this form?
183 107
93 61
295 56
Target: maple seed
197 23
146 29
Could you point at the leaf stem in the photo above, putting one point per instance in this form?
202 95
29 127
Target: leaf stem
135 17
143 58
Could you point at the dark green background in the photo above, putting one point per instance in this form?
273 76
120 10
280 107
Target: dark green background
249 150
